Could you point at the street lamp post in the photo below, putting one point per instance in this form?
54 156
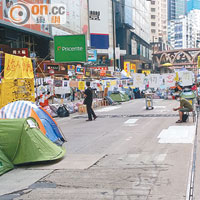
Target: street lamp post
114 36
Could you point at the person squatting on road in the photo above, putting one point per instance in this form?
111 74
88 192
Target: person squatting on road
88 102
185 106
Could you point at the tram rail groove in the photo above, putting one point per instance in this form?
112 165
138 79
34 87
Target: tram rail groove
192 171
126 116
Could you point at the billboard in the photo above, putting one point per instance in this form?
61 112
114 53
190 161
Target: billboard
77 17
5 5
99 23
70 48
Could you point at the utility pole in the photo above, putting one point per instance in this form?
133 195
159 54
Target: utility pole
114 36
88 10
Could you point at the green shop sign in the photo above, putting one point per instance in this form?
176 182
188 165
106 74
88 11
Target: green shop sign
70 48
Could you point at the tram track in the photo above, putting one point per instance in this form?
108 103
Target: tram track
192 171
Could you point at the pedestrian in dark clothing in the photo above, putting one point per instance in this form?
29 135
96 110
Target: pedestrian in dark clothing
88 102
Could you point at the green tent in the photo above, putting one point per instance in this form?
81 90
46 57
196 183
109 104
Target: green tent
119 97
5 164
22 142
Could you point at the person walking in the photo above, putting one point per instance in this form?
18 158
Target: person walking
185 106
88 102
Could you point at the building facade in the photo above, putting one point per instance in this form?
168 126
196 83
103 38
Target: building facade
180 8
159 24
132 33
184 32
176 8
171 9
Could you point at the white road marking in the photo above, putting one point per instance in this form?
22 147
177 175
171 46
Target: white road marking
177 134
159 107
160 157
130 125
128 138
107 109
131 121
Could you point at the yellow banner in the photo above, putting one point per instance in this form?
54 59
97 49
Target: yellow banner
17 67
127 67
81 85
18 89
147 72
198 61
108 84
133 68
113 83
177 77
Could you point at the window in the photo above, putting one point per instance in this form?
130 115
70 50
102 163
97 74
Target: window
153 2
153 30
153 16
153 23
153 9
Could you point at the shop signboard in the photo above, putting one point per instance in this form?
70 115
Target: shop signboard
58 83
10 16
54 67
95 73
70 48
99 23
108 73
20 51
117 74
198 61
51 71
92 55
127 67
80 69
71 67
133 68
88 72
103 73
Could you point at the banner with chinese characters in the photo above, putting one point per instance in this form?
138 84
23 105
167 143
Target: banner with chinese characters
186 78
81 85
17 67
17 89
169 79
138 80
154 81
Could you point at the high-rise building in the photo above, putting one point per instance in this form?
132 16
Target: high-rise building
193 4
180 8
133 32
159 25
184 32
176 8
171 10
158 20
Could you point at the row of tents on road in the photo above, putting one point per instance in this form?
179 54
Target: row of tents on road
28 134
